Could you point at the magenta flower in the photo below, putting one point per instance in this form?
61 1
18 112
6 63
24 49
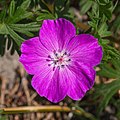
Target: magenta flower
61 61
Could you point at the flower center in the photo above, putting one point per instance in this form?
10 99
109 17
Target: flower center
58 59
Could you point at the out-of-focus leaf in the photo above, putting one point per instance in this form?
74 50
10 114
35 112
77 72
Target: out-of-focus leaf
62 8
45 15
2 15
25 32
15 36
20 13
11 8
116 25
3 117
109 52
25 4
86 6
110 70
3 29
10 27
108 14
103 30
106 10
60 3
103 2
106 91
107 71
27 27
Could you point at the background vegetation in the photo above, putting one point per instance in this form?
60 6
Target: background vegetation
21 19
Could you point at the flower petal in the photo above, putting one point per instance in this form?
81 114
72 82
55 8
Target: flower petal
33 55
85 48
81 79
50 84
55 34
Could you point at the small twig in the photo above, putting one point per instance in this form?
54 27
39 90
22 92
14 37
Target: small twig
14 90
28 109
33 96
26 90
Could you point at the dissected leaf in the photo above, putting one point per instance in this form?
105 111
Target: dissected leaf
27 27
20 13
45 15
25 4
3 29
103 30
106 91
110 70
15 36
88 4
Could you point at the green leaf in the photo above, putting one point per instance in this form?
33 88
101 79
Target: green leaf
107 91
2 15
11 8
103 2
25 4
88 4
45 15
108 14
105 9
3 117
103 30
104 42
20 13
110 72
1 111
26 28
15 36
23 31
3 29
34 26
107 71
116 24
118 114
102 92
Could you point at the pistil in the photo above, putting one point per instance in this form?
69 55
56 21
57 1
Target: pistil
58 59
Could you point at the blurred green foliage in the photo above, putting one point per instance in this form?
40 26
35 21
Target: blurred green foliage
14 23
